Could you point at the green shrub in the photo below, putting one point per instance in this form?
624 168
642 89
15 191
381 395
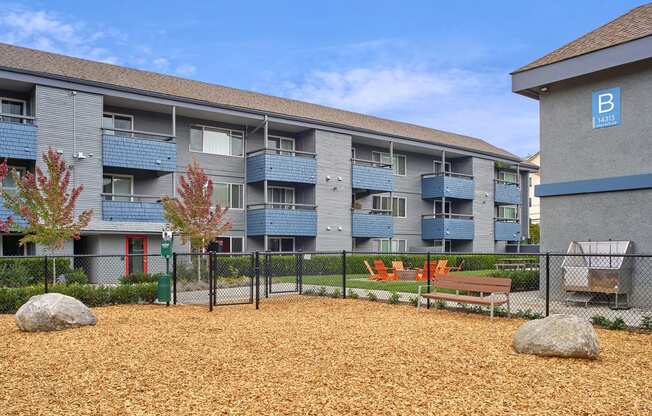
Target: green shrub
308 291
321 291
414 301
140 277
646 323
522 280
336 294
13 298
528 314
372 296
394 298
352 295
76 276
29 271
618 323
600 320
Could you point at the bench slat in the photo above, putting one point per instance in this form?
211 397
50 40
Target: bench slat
474 283
464 298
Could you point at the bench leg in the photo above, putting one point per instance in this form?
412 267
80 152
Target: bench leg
509 310
418 299
492 309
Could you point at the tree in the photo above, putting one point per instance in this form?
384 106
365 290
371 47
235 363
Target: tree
191 214
534 233
5 224
46 204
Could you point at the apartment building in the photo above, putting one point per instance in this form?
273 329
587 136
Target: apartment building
295 176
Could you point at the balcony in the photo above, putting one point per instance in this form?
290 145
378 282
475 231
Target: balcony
17 137
447 226
282 219
507 230
139 150
448 185
281 166
132 208
372 224
508 193
6 213
372 177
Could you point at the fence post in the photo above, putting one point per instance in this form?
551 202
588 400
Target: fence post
210 282
343 274
268 280
174 278
257 269
300 273
547 283
427 271
45 259
252 276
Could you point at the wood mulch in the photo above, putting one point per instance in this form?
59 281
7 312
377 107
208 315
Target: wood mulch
315 356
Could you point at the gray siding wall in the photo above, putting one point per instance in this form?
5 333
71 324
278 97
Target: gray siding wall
483 205
333 197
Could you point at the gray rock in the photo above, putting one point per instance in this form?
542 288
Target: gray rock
53 312
557 336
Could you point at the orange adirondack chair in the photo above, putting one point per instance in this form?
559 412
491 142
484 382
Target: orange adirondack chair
442 268
397 265
382 271
423 273
372 275
458 268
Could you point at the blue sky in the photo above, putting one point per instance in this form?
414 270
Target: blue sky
441 64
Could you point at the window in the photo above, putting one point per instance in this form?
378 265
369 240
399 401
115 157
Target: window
438 209
398 206
437 167
12 107
353 153
117 121
11 246
392 246
529 202
8 182
226 245
278 197
508 176
281 244
281 143
446 247
216 141
118 187
398 164
228 195
507 212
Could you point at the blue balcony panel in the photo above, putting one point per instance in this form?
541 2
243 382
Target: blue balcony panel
447 186
17 141
6 213
507 231
508 194
135 153
372 225
285 222
374 179
281 168
132 211
447 228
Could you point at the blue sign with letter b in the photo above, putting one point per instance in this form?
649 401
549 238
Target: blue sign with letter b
606 108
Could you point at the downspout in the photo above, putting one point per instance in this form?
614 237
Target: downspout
443 201
265 199
391 194
245 190
519 214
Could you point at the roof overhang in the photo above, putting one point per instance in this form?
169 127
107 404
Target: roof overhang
529 82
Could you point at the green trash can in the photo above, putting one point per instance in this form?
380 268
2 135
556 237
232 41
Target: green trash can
163 288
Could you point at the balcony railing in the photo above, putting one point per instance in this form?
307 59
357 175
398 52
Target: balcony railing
17 137
132 208
506 192
371 176
447 184
291 166
139 150
507 229
372 223
447 226
282 219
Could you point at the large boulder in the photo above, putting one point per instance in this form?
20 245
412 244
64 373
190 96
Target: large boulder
557 336
53 312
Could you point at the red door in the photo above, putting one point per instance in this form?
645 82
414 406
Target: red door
136 254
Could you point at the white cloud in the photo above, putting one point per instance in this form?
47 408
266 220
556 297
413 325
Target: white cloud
161 63
185 69
475 103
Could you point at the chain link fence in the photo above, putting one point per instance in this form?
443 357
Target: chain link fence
610 290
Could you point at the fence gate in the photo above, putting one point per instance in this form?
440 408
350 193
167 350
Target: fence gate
282 276
231 279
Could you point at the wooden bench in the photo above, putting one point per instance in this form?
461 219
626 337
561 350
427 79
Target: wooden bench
483 291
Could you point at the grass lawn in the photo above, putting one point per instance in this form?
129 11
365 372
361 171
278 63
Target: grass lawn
361 281
310 356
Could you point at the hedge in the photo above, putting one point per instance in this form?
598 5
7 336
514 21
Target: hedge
280 265
13 298
27 271
522 280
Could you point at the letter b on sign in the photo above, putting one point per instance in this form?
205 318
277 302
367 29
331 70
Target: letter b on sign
606 108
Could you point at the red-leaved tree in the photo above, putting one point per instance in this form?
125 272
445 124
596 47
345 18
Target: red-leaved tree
46 203
191 214
5 224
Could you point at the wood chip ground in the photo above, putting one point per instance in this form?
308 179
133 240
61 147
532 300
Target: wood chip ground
310 357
